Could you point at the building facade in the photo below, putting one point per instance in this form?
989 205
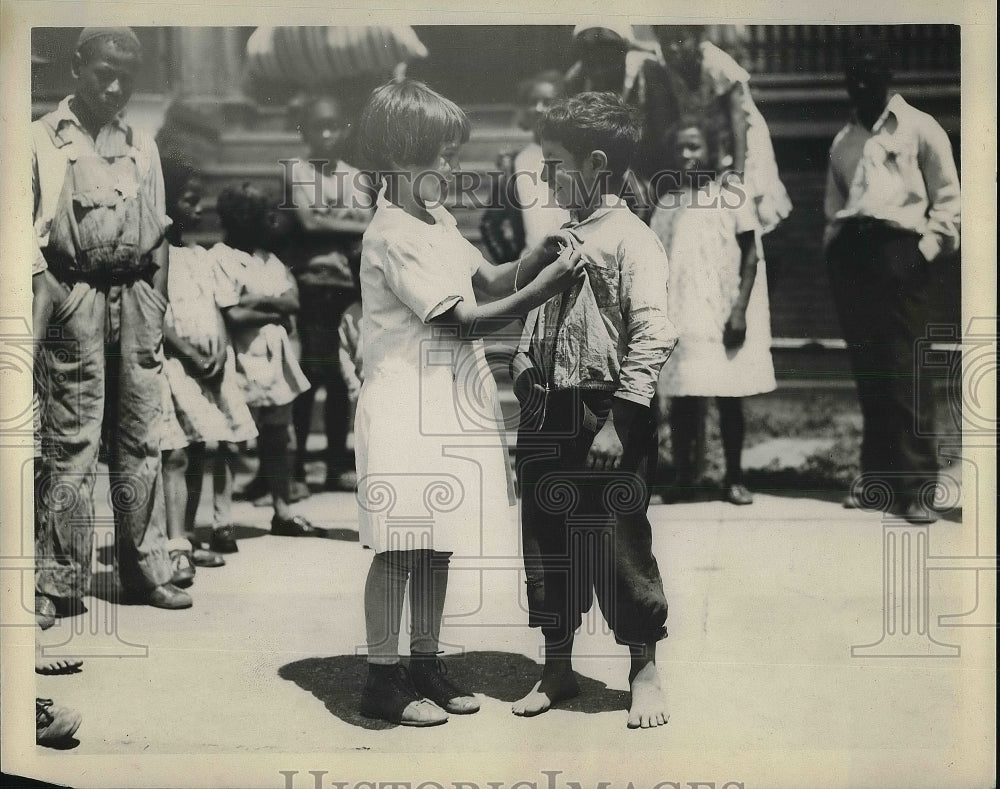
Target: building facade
194 82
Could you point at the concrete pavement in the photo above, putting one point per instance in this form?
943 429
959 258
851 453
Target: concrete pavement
766 603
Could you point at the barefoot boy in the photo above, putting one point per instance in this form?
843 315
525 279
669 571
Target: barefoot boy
584 472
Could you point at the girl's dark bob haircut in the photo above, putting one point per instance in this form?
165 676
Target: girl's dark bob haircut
405 123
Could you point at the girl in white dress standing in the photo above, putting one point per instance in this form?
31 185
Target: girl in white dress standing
428 389
718 301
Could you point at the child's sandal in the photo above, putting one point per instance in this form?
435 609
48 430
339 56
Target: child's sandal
182 567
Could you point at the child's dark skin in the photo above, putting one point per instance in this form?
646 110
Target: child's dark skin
691 151
254 310
104 85
324 129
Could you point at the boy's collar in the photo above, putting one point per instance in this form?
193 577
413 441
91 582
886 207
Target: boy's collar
608 203
63 114
892 107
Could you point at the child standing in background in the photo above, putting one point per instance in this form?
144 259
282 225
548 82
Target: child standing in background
522 211
718 300
264 297
203 403
333 208
706 80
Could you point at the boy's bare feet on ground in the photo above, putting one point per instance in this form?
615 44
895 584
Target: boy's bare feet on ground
649 706
554 686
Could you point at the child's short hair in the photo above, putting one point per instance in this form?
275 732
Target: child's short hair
693 120
406 123
91 39
241 209
552 77
594 121
179 170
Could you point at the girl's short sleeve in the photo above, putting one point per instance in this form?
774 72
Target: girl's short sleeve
227 271
721 70
419 281
745 214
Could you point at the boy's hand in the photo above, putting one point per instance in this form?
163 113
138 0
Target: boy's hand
735 332
606 451
608 448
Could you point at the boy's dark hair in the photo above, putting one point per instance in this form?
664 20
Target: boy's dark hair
553 77
594 122
406 123
693 120
91 39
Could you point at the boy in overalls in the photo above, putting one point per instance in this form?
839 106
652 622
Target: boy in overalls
99 219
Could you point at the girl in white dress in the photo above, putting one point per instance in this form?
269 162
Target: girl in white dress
203 403
428 393
707 80
718 301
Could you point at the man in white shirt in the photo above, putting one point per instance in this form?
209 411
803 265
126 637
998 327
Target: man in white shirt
893 212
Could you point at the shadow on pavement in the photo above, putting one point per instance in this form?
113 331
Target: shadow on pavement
337 682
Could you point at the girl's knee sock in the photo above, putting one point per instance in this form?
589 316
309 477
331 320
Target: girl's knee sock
193 478
384 591
428 587
274 461
686 417
733 428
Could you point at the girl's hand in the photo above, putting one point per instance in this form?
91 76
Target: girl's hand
197 364
551 247
566 271
216 364
735 333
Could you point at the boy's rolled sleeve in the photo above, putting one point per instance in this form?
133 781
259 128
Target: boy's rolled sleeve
648 335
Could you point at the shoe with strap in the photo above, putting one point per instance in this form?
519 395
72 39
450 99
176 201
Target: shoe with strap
294 526
429 674
389 695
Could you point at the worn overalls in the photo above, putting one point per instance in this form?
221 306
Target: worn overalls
102 364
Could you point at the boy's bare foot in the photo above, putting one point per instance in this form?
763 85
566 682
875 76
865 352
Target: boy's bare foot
649 706
554 686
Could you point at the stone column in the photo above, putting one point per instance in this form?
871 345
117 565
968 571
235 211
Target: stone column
207 62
